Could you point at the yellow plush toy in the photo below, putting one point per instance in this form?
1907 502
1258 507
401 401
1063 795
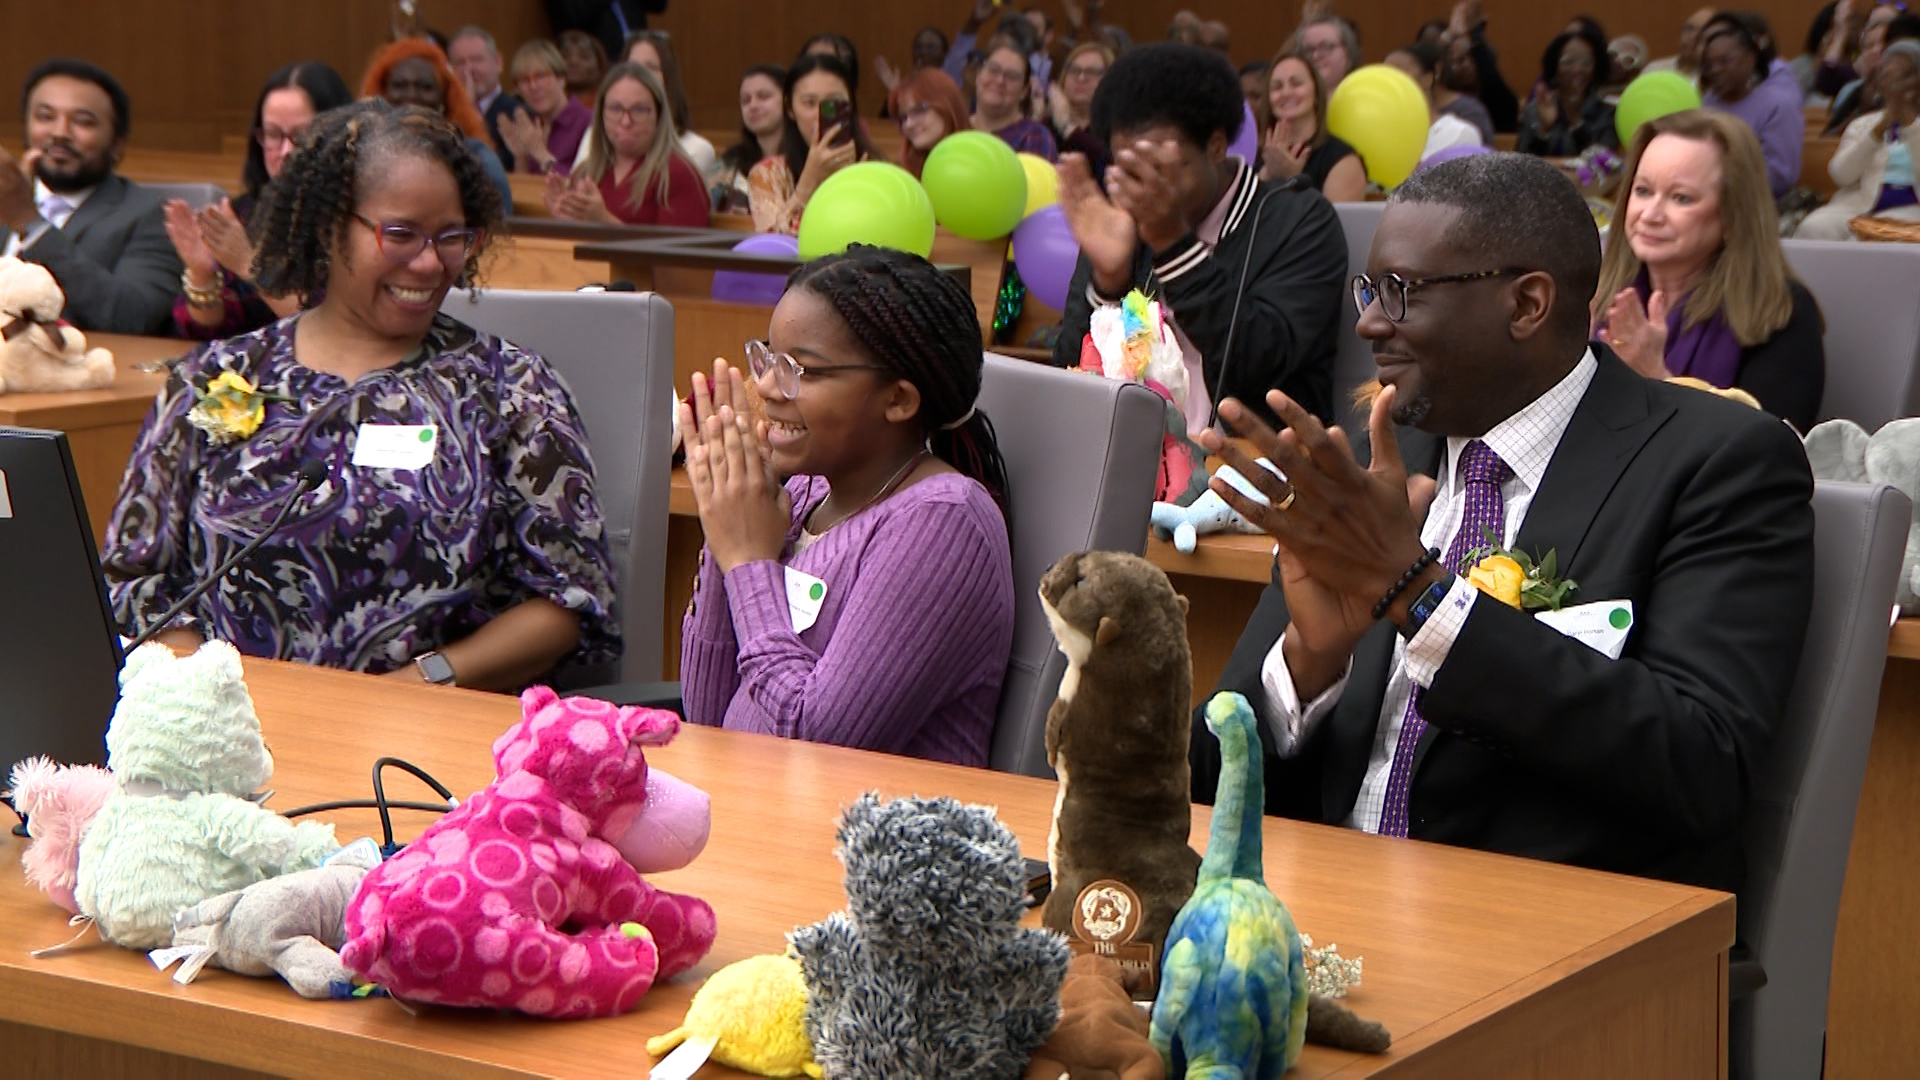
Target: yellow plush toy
754 1011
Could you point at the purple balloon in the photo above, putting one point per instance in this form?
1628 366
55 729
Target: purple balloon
742 287
1247 144
1452 153
1044 251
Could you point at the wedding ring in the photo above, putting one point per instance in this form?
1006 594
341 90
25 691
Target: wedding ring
1287 502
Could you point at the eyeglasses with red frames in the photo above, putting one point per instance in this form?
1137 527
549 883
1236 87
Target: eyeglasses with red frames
403 243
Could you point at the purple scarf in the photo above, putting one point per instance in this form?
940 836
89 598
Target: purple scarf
1707 350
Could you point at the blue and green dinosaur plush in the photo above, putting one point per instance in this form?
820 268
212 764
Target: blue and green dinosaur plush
1233 999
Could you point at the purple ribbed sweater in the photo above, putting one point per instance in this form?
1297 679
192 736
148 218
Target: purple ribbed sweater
911 643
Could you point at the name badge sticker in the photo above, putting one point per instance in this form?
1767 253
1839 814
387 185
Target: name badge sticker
805 594
395 446
1602 626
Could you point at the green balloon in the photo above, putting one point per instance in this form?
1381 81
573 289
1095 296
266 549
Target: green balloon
868 203
978 188
1650 97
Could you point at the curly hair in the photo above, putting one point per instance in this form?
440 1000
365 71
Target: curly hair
1192 88
922 325
453 93
305 214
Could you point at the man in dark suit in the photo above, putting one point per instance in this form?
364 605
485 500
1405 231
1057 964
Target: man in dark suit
609 20
1396 697
103 239
476 60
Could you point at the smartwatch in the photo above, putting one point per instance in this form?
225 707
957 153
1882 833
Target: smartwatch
434 668
1423 607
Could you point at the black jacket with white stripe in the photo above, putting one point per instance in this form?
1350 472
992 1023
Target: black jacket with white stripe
1285 241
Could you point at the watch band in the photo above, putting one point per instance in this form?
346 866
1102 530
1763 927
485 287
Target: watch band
1424 606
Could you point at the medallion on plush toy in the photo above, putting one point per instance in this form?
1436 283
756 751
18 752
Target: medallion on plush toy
40 351
1117 739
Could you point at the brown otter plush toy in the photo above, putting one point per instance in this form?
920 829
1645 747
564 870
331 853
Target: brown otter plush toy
1117 739
1102 1034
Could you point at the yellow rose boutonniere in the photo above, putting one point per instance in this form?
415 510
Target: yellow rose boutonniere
1516 580
230 408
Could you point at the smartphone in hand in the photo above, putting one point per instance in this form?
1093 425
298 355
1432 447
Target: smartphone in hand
836 121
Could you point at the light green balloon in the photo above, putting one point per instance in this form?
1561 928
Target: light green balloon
1650 97
978 188
868 203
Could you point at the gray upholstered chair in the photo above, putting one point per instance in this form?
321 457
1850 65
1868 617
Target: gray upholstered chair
1870 295
615 353
1801 821
1083 457
1353 366
198 196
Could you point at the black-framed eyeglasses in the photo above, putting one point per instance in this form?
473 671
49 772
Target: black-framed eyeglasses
761 359
1392 289
403 243
269 137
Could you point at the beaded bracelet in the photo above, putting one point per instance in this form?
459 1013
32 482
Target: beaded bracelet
207 297
1419 567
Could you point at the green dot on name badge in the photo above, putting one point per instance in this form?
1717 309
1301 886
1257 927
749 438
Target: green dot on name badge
1620 618
426 434
815 591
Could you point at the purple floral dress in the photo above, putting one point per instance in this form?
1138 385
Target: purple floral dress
376 565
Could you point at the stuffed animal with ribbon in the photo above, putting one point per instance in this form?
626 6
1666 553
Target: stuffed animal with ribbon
40 351
291 926
59 803
1134 342
928 972
528 896
185 749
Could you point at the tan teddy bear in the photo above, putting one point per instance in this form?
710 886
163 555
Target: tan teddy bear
38 350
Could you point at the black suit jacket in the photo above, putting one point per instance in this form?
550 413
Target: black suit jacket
596 17
113 261
1696 509
503 104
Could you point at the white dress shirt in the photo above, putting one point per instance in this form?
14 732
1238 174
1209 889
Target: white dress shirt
1526 441
19 242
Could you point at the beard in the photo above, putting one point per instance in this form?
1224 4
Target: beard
86 172
1408 413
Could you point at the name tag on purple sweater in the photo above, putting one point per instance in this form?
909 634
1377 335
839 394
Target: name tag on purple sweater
805 594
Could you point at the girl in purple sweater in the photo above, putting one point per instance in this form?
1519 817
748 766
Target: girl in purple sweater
867 601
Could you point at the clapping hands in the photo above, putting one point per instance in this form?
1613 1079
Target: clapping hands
577 198
1639 334
744 510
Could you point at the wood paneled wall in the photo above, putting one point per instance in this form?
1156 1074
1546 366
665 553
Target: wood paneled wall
194 67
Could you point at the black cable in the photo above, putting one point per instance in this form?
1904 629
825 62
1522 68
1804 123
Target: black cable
380 796
363 804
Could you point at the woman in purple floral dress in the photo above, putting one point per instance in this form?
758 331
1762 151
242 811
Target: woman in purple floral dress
456 536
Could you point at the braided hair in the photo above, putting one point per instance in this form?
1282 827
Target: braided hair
921 324
306 213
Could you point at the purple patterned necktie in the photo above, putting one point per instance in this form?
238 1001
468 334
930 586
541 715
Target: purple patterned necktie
1481 474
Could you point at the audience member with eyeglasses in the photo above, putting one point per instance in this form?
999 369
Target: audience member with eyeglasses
456 525
1070 103
856 586
546 134
633 171
1000 102
218 298
64 206
1399 699
928 108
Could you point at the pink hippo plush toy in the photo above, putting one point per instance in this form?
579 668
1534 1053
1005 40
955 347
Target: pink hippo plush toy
529 895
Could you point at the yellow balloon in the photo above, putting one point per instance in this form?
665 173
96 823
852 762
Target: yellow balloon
1382 114
1043 184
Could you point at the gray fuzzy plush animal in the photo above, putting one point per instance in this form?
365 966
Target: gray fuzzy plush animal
1117 738
928 972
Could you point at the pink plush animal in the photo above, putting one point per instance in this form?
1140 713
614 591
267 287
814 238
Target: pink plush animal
60 801
516 900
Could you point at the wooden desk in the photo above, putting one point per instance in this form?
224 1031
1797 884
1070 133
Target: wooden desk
1870 1008
100 424
1480 965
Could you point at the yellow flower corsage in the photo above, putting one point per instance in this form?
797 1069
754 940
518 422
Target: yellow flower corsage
230 408
1516 580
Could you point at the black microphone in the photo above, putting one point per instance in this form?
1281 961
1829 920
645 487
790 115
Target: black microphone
312 474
